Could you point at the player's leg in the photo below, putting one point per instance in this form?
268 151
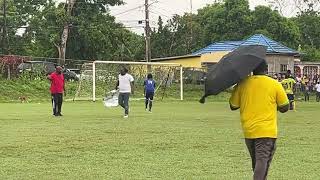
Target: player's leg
305 96
291 101
53 104
60 100
264 151
126 103
146 101
150 101
250 143
120 100
56 101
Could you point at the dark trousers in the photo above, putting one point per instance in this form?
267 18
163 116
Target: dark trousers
57 100
124 102
306 96
261 152
291 101
318 97
149 100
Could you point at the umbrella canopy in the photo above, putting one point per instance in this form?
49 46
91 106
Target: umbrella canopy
232 68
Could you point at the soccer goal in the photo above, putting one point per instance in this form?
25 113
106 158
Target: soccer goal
100 77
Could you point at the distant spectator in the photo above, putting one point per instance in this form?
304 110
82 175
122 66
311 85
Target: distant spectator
307 91
275 76
298 86
315 78
304 81
318 91
298 78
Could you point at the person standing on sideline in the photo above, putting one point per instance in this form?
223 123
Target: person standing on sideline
288 84
307 91
318 91
57 89
259 97
125 85
149 89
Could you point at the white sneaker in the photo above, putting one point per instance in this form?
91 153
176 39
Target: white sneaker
146 109
125 116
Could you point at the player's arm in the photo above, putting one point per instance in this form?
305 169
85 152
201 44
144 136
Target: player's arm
132 84
144 88
283 109
234 101
132 87
49 77
233 108
117 85
64 88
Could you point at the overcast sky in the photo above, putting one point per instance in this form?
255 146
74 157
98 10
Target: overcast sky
164 8
133 10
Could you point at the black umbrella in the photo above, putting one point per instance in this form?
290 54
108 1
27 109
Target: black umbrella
232 68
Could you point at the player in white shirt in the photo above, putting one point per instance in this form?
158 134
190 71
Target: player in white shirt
318 91
125 86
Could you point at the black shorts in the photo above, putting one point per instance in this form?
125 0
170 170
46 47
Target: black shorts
149 95
290 97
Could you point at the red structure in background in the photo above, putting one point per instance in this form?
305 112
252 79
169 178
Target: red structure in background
9 65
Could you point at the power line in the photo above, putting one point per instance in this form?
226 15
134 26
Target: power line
165 10
159 13
129 10
73 26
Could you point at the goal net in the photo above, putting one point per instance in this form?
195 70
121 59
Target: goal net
99 78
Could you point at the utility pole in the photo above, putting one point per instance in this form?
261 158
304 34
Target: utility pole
189 43
5 40
147 32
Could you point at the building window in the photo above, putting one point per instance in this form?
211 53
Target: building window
310 70
283 67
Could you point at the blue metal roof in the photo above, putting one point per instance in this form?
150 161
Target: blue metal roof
219 46
273 47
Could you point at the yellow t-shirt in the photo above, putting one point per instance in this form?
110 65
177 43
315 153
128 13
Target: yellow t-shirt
288 85
258 98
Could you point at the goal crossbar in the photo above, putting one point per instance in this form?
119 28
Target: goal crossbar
134 63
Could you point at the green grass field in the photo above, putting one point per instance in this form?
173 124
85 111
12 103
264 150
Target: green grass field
179 140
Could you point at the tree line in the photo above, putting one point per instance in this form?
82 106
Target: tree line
85 29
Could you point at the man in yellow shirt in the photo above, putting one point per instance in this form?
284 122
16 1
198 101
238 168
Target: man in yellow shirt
288 85
259 97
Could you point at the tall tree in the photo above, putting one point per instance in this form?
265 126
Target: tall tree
62 46
180 36
230 20
92 33
309 23
270 23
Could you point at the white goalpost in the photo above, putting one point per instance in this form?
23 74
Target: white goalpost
167 72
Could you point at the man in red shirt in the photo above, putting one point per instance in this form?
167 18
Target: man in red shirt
57 88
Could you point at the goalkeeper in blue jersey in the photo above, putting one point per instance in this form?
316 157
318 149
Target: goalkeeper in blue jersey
149 89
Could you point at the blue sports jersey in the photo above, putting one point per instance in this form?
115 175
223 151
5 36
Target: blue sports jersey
149 85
